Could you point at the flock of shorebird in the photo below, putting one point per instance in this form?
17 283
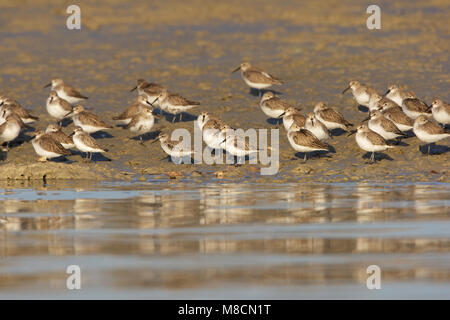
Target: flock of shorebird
391 116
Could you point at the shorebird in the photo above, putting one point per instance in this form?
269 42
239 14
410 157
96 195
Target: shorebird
330 117
428 131
303 140
212 130
237 145
55 132
174 148
441 111
316 127
9 130
292 115
395 94
17 108
383 126
85 143
369 140
174 103
395 113
414 107
46 147
142 122
376 100
134 109
273 106
257 78
66 92
88 121
149 89
360 92
57 107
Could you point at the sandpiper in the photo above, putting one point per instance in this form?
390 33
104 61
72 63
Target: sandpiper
88 121
149 89
370 141
174 148
395 113
376 100
441 111
237 145
174 103
142 122
85 143
395 94
383 126
212 130
10 129
292 115
57 107
361 92
273 106
54 131
316 127
428 131
330 117
17 108
134 109
66 92
414 107
46 147
256 78
302 140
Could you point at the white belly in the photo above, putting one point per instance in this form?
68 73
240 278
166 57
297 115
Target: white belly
363 99
317 131
10 133
396 98
72 100
367 145
213 138
143 126
441 117
330 125
429 138
272 113
56 111
255 85
82 147
42 152
86 127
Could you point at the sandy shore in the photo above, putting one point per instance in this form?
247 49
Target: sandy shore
192 47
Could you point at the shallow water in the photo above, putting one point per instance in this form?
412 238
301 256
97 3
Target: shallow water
186 240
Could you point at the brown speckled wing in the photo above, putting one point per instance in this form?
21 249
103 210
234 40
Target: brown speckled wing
376 139
50 144
257 76
304 137
92 119
389 126
433 128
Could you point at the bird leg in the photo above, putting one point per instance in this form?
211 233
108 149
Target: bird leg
42 159
304 158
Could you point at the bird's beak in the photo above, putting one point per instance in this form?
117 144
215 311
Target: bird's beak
282 115
133 89
2 103
366 119
71 135
351 133
48 85
237 69
345 90
150 104
154 101
68 114
156 139
386 93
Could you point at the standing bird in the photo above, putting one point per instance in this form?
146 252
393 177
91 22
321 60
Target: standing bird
395 113
85 143
395 94
11 125
330 117
257 78
273 106
414 107
54 131
174 103
370 141
441 111
66 92
213 132
304 141
126 116
57 107
316 127
360 92
383 126
149 89
17 108
46 147
142 122
174 148
87 120
428 131
291 116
